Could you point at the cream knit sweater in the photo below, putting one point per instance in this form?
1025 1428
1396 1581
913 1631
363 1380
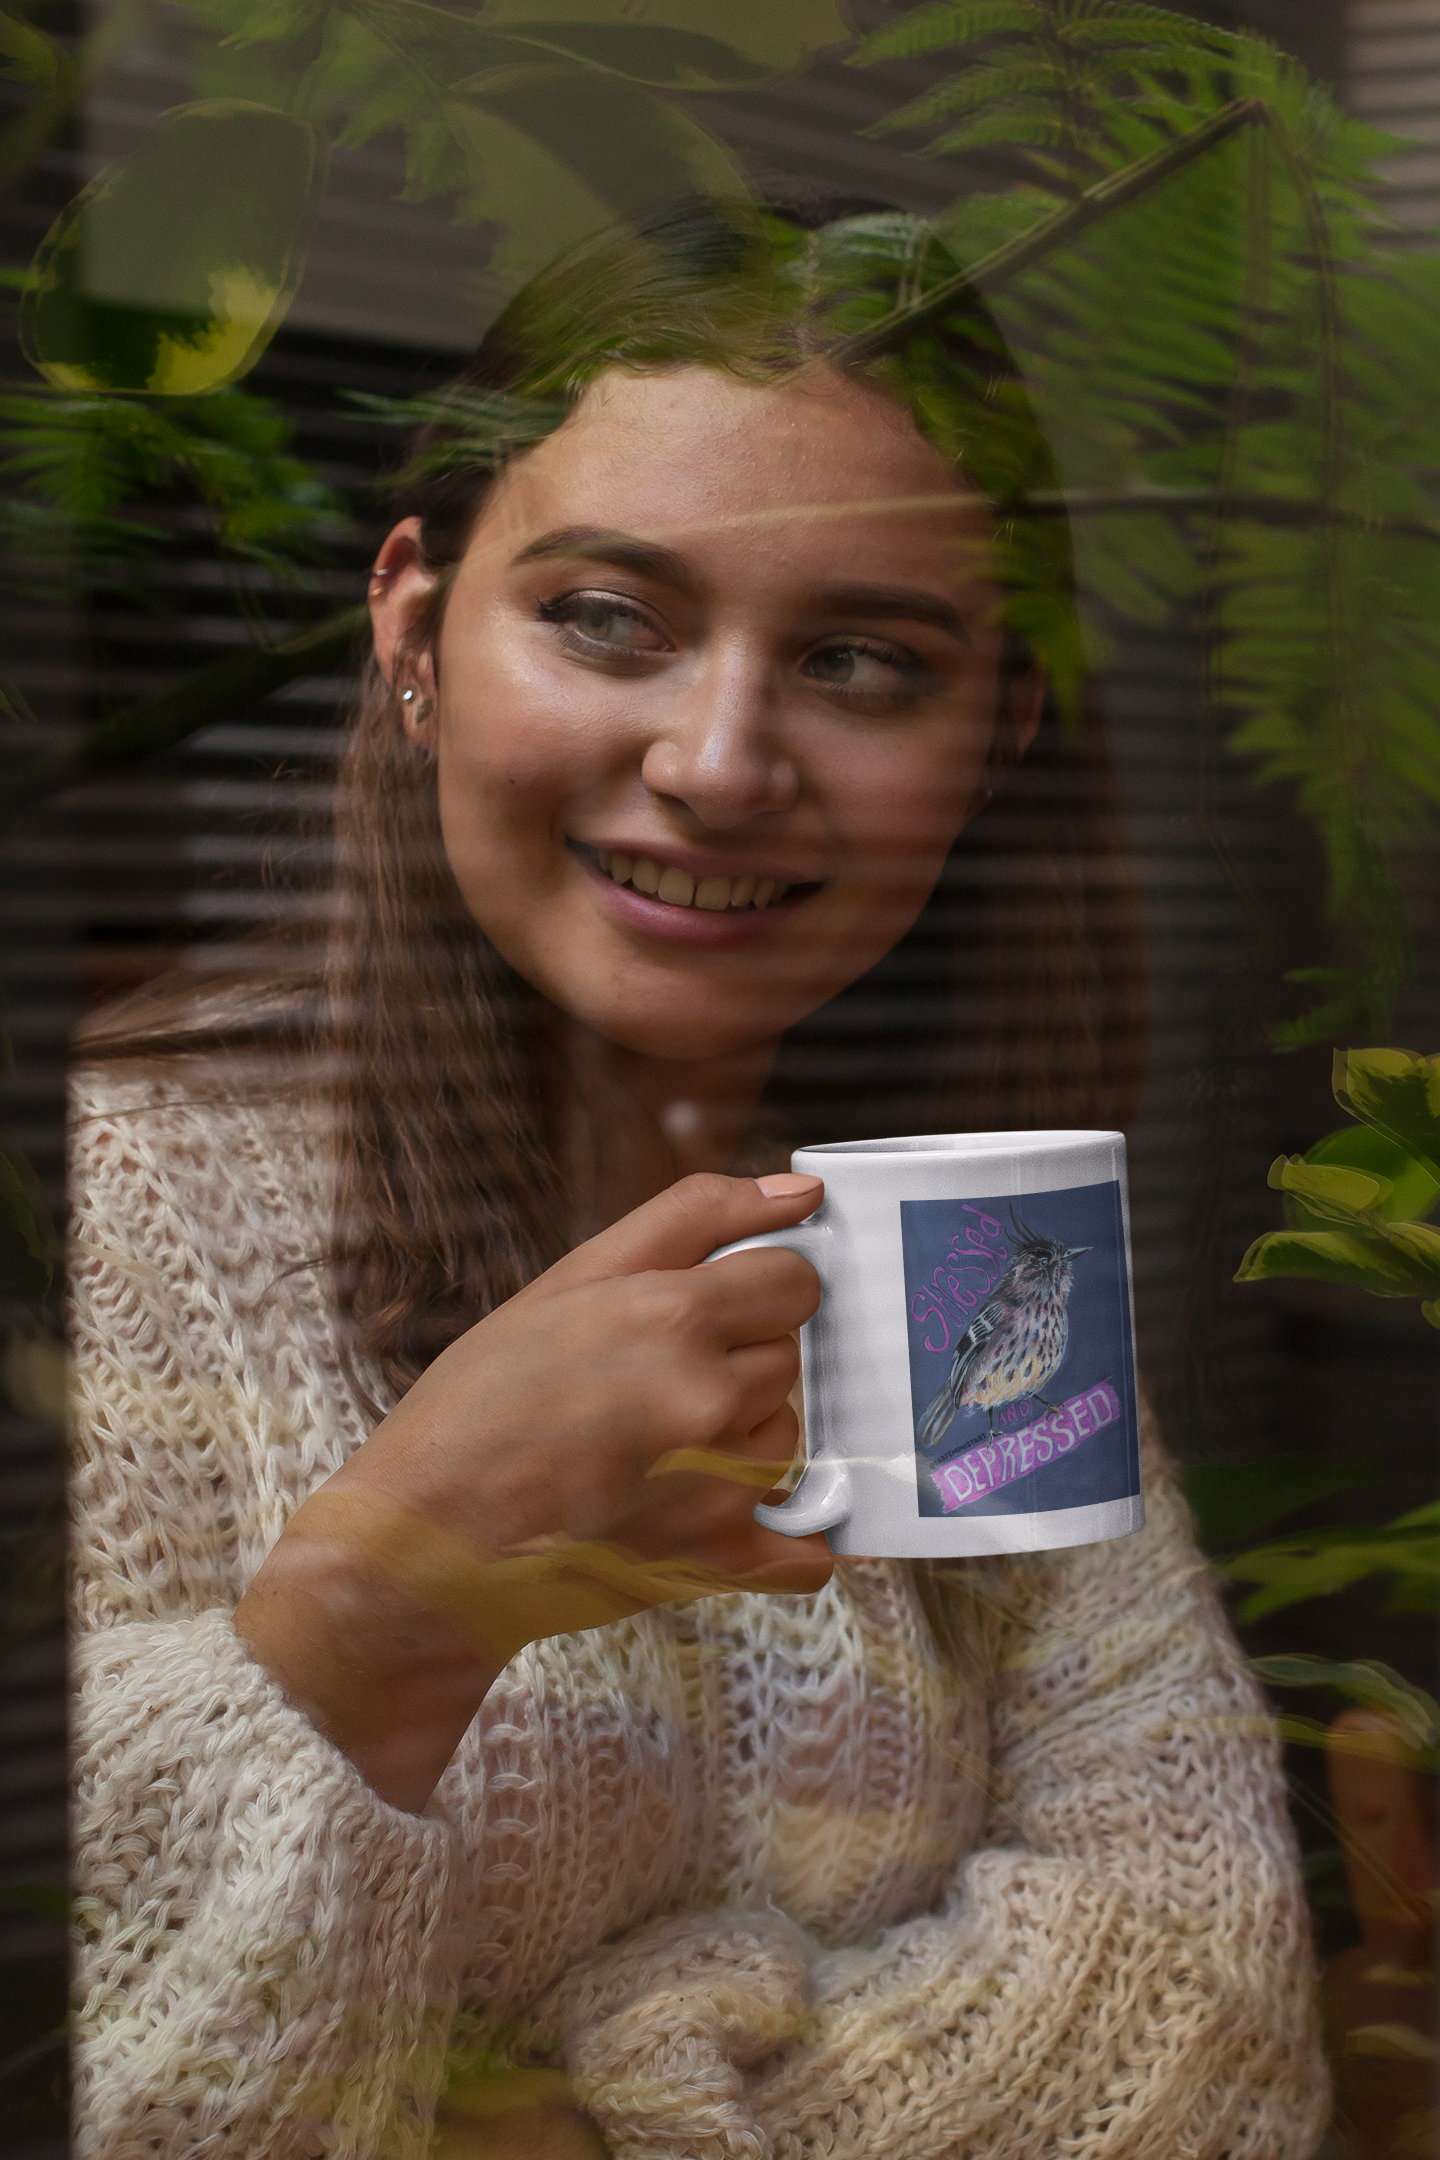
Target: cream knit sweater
768 1875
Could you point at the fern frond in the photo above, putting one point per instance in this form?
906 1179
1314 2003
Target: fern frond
947 23
1026 123
972 92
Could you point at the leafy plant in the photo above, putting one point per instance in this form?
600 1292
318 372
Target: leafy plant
1365 1681
1247 429
79 462
1356 1201
1356 1205
170 271
1318 1562
160 285
1065 91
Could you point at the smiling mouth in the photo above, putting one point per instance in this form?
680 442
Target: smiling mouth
678 889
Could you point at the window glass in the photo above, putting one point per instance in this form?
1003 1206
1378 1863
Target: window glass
602 595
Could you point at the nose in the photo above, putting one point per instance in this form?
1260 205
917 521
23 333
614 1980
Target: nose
717 751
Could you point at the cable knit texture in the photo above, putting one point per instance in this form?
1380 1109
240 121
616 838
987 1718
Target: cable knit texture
771 1877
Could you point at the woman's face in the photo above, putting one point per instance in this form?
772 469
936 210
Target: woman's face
714 694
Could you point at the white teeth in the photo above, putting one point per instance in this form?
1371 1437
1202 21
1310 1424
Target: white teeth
716 895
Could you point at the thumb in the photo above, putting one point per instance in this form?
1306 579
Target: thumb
685 1223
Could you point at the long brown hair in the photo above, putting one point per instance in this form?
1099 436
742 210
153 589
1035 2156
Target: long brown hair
1016 1000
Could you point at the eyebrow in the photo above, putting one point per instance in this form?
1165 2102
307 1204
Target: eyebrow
595 544
877 603
891 603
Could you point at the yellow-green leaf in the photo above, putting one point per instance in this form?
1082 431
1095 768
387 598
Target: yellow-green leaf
1363 1680
1413 1191
28 56
170 273
1318 1562
1398 1093
1401 2041
1396 1260
1332 1191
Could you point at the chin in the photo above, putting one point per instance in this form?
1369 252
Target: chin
681 1037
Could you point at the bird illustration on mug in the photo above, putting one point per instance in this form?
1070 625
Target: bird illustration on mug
1016 1340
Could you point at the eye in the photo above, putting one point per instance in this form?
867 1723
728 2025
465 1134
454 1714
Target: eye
871 672
602 625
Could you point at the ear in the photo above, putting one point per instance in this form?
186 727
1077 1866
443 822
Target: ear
399 587
1022 704
1027 703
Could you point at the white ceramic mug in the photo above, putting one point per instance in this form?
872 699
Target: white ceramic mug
970 1375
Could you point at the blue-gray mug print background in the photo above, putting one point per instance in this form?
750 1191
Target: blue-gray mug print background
956 1256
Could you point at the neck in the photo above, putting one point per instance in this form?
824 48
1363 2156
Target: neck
624 1126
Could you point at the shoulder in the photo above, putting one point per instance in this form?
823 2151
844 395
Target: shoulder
197 1101
198 1183
196 1137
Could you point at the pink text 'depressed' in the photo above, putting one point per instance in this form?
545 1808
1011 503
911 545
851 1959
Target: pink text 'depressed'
998 1462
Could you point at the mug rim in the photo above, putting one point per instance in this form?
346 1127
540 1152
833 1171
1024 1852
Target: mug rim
950 1147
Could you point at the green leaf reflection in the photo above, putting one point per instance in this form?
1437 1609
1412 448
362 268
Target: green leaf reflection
170 273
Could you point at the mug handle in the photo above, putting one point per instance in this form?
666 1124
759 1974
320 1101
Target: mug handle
822 1497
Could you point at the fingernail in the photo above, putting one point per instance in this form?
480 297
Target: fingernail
787 1184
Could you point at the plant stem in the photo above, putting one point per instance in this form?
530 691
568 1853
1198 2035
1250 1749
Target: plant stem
1042 239
139 731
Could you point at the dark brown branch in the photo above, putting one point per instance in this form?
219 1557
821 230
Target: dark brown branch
158 723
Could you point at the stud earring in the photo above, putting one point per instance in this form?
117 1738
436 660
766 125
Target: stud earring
422 709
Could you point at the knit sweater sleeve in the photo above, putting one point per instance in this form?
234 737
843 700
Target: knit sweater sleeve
1124 1967
266 1957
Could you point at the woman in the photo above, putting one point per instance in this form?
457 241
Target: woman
440 1690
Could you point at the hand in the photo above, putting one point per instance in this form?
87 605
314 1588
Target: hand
594 1447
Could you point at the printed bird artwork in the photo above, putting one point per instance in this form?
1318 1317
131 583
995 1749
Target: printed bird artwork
1016 1340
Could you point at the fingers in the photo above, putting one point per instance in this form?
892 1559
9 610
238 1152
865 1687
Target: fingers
799 1566
681 1226
753 1297
756 1462
762 1375
711 1516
